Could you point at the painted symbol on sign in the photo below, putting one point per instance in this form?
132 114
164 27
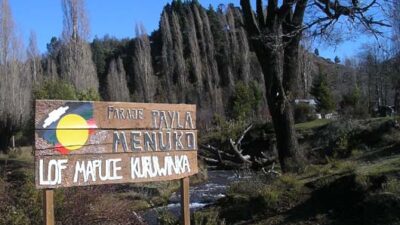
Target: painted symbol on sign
69 127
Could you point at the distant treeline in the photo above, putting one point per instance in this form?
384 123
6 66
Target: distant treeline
197 55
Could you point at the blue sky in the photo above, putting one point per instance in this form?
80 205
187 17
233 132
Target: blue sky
118 18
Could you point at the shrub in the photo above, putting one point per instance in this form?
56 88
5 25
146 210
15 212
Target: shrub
56 89
303 113
322 93
89 95
207 217
392 186
59 89
246 100
166 218
250 198
11 215
353 105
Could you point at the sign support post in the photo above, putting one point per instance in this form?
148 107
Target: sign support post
185 209
48 207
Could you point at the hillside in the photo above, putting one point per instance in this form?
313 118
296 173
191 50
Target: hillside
198 56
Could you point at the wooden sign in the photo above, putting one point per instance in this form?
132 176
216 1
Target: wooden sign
92 143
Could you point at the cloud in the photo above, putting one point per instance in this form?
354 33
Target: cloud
54 116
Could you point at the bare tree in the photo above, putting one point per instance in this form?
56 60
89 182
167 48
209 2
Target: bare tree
396 43
395 22
305 68
76 64
75 21
172 60
117 89
15 85
275 35
34 63
376 76
144 78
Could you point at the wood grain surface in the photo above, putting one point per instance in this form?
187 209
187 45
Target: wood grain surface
101 141
114 115
92 143
88 165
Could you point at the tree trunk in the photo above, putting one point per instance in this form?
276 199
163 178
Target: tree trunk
280 107
5 137
397 98
290 156
272 63
277 51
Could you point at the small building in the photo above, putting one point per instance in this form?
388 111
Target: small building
310 102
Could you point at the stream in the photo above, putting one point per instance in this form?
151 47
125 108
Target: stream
200 195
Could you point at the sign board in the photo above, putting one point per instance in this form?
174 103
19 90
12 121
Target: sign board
91 143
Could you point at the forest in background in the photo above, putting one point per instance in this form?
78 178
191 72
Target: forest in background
199 56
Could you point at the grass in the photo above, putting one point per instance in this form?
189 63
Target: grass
312 124
385 166
20 201
392 186
361 187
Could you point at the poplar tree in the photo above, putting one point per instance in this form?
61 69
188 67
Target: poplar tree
15 82
76 64
117 89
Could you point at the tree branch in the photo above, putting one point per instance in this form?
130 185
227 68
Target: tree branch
260 14
239 141
271 12
236 146
249 18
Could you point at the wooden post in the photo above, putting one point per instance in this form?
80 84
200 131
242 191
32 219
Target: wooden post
48 207
185 210
13 142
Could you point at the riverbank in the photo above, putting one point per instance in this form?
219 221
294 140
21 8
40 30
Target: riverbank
21 202
201 195
352 178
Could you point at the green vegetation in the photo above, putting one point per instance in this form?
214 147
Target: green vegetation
62 90
352 104
21 202
304 113
322 93
312 124
246 101
352 178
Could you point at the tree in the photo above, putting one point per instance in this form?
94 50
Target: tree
316 52
144 80
15 82
322 93
117 89
375 65
396 25
396 43
76 64
337 60
35 68
275 35
246 100
305 68
353 104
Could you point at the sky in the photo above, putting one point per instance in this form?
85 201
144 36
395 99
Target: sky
118 18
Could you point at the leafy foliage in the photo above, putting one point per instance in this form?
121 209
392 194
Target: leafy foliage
62 90
352 104
246 101
322 93
303 113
